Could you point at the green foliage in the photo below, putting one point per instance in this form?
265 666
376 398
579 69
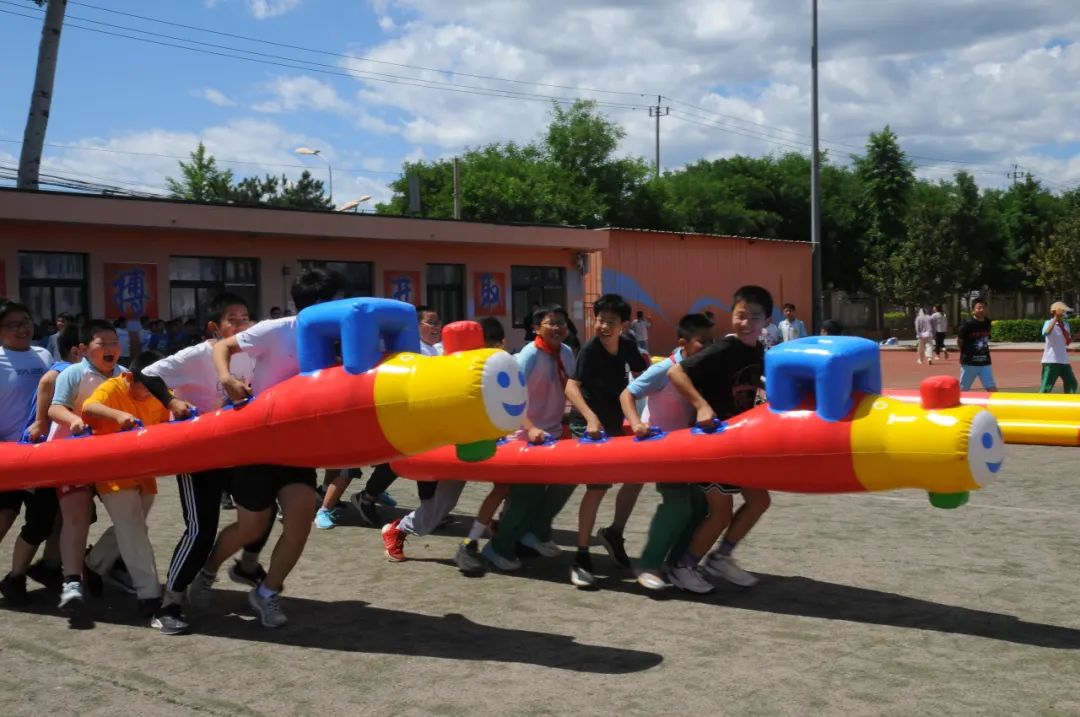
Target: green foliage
897 320
1054 264
1023 330
202 181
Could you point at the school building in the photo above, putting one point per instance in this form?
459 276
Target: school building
106 256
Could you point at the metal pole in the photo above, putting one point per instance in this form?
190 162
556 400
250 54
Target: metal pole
658 136
457 188
815 178
330 171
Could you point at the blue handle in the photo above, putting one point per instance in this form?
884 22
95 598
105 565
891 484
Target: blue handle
655 433
549 440
718 426
588 440
25 439
85 434
193 414
138 424
237 405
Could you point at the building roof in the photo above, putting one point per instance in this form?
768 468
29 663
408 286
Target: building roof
702 234
90 209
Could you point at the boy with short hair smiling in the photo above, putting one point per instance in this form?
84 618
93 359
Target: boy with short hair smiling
593 390
100 346
720 382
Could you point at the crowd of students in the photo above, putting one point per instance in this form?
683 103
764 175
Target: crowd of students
609 384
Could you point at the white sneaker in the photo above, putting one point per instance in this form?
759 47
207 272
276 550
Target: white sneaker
200 593
505 564
690 580
71 596
724 566
652 581
546 548
269 608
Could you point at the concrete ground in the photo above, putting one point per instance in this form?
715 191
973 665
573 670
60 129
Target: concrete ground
868 604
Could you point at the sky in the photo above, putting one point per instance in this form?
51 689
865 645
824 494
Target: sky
978 85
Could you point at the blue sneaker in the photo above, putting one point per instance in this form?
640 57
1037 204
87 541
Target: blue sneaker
386 499
325 519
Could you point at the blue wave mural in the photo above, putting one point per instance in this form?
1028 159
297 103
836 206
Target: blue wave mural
620 283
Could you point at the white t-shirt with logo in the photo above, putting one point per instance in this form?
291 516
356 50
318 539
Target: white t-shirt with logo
272 344
20 372
1056 350
191 376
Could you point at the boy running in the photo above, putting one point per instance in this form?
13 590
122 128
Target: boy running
720 382
683 504
593 390
272 344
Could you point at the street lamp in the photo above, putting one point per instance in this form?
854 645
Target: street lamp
818 312
329 169
354 204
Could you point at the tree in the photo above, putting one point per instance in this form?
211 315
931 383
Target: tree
305 193
887 178
1054 263
41 99
1028 217
201 180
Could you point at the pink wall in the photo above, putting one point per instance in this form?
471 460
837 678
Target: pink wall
667 275
275 254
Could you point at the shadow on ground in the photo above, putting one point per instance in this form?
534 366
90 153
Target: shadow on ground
356 626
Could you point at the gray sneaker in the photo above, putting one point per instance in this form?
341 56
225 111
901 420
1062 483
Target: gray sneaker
690 580
200 593
269 608
468 559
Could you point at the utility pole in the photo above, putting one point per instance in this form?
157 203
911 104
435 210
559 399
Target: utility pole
658 112
41 99
1016 175
817 286
457 188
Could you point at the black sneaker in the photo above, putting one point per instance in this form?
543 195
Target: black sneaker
149 607
170 620
13 588
51 577
250 578
615 546
468 559
92 582
368 511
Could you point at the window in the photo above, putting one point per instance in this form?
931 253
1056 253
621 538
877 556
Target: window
446 291
357 274
532 286
194 281
52 283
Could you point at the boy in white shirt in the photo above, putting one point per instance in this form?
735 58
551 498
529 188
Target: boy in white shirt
191 376
791 327
273 346
1055 361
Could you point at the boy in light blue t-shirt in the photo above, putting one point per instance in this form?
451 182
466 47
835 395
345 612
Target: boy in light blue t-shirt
683 505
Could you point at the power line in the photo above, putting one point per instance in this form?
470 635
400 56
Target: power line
358 57
313 66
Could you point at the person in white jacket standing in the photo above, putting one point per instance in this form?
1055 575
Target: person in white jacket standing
924 332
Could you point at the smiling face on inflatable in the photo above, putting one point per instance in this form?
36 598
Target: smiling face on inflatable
504 391
986 448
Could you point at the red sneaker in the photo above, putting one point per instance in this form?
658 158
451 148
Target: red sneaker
394 540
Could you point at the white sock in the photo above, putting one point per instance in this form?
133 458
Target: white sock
477 530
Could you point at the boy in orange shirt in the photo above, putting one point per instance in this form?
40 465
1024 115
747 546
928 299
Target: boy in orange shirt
124 403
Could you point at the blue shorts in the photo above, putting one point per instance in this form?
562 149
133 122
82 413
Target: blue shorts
985 374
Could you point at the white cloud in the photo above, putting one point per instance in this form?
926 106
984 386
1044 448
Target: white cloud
264 9
215 97
301 93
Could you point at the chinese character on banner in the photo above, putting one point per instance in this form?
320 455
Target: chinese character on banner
489 289
402 286
130 290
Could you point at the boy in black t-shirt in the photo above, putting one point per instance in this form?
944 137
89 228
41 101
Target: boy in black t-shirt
593 391
973 340
720 382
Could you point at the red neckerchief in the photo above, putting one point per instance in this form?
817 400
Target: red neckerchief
556 354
